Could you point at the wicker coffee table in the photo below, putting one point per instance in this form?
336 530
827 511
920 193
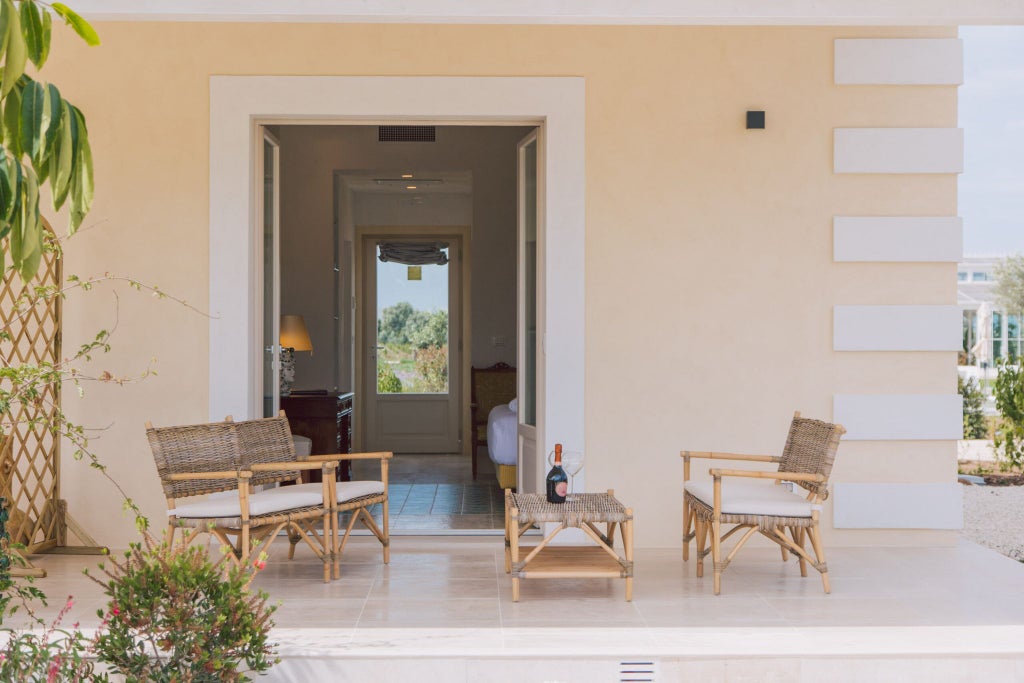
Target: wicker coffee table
585 511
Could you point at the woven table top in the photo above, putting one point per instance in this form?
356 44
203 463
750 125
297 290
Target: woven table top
584 507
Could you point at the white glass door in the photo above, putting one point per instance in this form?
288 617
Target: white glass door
268 204
531 463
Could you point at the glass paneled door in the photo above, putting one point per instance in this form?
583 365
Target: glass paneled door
268 205
412 337
531 464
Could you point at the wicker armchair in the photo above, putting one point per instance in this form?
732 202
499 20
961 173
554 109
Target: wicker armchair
224 461
268 440
489 387
770 508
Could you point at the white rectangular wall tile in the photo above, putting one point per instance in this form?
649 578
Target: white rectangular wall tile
897 328
897 506
899 61
898 150
887 417
898 238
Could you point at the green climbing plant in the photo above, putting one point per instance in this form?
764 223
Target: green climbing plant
43 137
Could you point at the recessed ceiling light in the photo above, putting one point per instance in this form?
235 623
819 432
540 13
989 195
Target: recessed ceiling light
407 175
410 187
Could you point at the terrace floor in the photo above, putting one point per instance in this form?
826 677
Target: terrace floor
442 610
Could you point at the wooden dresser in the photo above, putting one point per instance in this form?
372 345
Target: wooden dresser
325 418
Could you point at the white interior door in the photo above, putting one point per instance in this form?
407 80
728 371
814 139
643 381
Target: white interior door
530 322
268 184
412 343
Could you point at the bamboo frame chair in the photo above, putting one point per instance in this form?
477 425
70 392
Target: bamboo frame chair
356 497
226 459
768 508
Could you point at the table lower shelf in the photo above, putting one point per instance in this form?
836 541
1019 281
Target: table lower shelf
555 562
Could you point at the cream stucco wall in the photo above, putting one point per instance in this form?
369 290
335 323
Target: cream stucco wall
710 280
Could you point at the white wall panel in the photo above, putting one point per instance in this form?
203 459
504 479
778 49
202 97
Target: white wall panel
897 506
885 417
897 328
899 61
898 238
898 150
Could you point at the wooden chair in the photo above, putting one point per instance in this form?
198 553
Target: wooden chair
225 460
768 507
489 387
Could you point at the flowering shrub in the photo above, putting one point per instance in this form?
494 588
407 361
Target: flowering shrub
54 655
174 615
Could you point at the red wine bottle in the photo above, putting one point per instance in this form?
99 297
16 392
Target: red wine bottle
557 480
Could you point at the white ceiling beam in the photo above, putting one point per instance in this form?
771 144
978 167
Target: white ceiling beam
637 12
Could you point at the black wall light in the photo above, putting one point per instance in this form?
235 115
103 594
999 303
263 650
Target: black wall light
755 120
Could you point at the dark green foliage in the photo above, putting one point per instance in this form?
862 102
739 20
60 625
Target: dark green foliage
974 399
1009 394
387 381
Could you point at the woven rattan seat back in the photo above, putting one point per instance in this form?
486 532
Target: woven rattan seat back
811 449
194 448
267 440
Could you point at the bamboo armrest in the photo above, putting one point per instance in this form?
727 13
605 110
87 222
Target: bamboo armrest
192 476
713 455
384 455
788 476
301 465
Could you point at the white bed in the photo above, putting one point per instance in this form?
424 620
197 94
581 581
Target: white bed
502 434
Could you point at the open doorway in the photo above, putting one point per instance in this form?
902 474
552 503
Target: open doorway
401 336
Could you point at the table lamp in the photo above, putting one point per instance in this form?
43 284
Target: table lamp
294 337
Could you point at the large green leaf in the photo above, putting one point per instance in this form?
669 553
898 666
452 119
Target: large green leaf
82 194
17 239
32 246
51 119
31 16
80 25
33 100
6 188
12 123
6 9
47 31
64 148
16 55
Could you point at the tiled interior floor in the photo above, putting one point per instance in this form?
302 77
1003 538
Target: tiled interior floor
442 610
437 493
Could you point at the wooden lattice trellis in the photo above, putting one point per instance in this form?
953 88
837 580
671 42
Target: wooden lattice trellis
30 465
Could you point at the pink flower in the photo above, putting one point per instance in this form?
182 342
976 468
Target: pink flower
259 564
114 610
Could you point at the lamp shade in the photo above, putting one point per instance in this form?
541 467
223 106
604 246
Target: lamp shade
294 334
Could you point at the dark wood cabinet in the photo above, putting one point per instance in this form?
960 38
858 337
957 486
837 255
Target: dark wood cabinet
326 419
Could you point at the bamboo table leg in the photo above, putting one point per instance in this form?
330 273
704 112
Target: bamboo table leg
508 532
514 549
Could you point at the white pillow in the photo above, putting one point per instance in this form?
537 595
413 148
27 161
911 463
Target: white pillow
513 405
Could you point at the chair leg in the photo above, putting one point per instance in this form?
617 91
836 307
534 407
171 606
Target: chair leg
293 539
686 529
476 447
799 534
716 553
701 529
819 552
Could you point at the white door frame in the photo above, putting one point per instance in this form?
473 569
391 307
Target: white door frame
556 104
461 237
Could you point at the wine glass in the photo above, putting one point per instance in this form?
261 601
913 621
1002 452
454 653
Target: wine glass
572 463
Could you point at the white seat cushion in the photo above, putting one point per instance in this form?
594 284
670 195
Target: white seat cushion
740 497
226 505
347 490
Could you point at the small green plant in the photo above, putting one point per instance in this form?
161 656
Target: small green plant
432 368
56 654
973 399
175 615
1009 394
387 381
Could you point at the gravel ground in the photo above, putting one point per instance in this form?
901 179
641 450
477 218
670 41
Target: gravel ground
994 517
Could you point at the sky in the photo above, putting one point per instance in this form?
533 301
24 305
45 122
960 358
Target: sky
394 285
991 195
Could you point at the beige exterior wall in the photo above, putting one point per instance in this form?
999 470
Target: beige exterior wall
709 272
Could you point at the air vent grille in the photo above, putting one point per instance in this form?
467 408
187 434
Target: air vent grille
638 671
406 133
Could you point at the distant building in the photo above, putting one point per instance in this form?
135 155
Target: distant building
975 286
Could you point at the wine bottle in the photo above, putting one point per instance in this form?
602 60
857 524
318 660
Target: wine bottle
557 480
